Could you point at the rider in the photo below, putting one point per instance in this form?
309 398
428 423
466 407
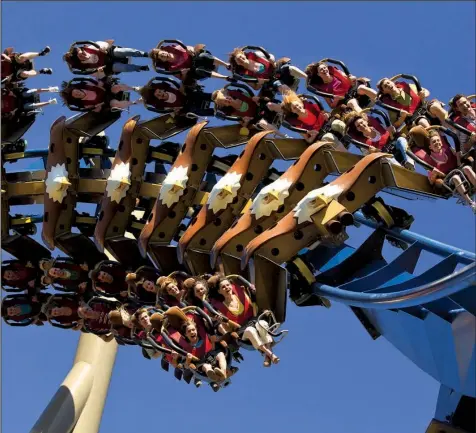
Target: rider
233 302
142 284
190 63
169 291
13 100
407 98
196 291
236 103
110 278
22 309
19 66
65 311
304 114
164 96
65 273
465 116
20 275
330 79
90 58
271 75
369 130
96 96
442 157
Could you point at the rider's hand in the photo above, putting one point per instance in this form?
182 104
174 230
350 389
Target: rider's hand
392 130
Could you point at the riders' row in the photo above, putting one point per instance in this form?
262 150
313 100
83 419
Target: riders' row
405 103
198 324
370 131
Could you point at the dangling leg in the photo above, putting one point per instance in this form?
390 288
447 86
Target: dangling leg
32 106
129 52
208 370
123 104
21 58
124 88
51 89
470 174
458 184
125 67
220 371
402 145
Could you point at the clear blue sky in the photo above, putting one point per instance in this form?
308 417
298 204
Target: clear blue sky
332 377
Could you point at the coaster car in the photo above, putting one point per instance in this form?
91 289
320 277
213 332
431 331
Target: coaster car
186 100
452 163
104 59
101 88
349 88
194 358
256 111
18 276
22 310
197 66
11 67
16 120
56 317
315 121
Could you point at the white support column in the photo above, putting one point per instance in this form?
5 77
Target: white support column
79 402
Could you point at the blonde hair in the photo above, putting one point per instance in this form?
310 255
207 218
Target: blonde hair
288 99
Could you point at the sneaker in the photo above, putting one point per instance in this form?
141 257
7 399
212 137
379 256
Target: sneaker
409 165
46 71
144 68
145 54
473 207
212 376
45 51
53 101
219 373
53 89
137 88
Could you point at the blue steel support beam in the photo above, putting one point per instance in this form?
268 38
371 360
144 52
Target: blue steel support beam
428 244
446 286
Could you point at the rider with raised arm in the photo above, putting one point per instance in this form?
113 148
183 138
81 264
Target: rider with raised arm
370 131
19 66
96 95
465 116
332 80
406 97
94 59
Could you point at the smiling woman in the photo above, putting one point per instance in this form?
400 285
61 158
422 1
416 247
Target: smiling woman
359 373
